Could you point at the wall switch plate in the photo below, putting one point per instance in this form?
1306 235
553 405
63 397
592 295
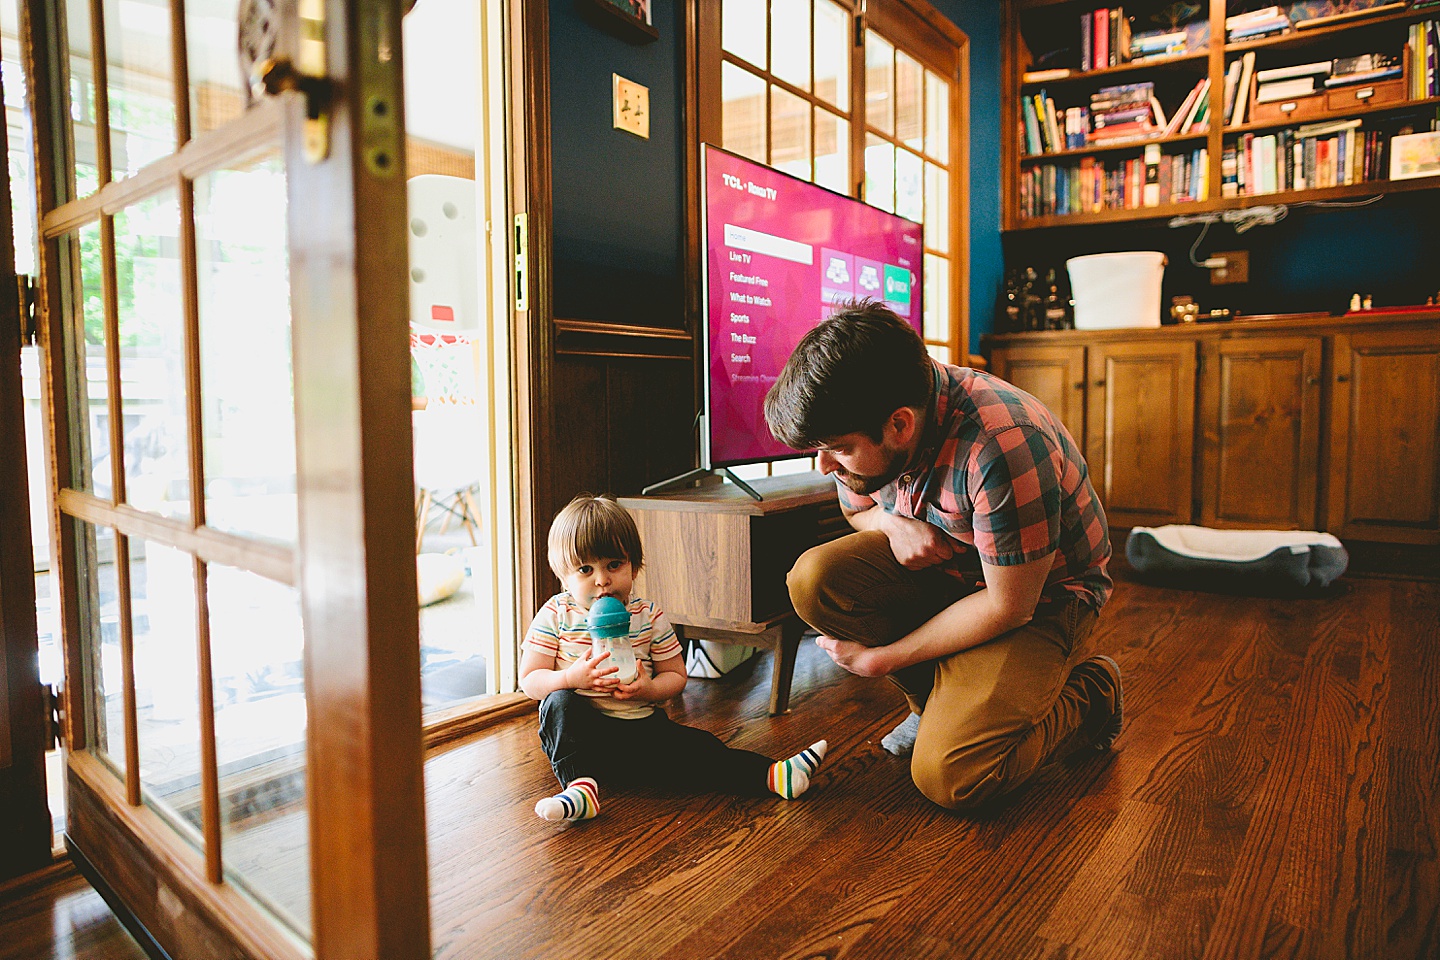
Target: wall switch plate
1235 270
632 106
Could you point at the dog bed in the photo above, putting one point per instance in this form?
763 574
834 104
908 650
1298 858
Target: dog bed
1249 561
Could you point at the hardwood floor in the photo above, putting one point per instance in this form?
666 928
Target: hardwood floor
1274 794
61 917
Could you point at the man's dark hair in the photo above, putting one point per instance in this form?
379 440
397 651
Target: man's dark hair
848 375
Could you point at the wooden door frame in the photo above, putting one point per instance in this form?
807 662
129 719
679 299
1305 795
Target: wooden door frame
354 562
24 810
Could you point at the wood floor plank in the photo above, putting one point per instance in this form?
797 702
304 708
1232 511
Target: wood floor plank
1267 798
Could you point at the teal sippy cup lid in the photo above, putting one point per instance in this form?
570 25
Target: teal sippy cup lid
608 617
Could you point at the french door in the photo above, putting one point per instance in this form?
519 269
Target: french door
224 331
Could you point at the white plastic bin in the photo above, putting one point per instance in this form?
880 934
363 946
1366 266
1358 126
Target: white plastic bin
1116 289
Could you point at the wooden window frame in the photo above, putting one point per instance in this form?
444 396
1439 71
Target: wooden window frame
913 26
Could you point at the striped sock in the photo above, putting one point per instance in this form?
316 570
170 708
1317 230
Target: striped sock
790 778
579 801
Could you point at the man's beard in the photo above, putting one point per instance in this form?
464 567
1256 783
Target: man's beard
866 484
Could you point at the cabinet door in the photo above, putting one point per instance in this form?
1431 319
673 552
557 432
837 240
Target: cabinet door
1385 437
1054 375
1260 430
1140 432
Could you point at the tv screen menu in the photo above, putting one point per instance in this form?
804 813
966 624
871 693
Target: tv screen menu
780 252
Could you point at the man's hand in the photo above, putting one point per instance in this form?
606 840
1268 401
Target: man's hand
917 544
857 658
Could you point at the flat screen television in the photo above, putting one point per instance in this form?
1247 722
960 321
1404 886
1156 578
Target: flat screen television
778 254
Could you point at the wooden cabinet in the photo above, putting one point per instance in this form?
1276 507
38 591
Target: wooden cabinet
1326 424
1385 436
1260 432
716 561
1055 375
1140 414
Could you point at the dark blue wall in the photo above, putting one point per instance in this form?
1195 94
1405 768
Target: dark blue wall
619 200
980 21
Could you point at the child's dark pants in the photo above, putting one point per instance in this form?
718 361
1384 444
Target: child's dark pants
655 751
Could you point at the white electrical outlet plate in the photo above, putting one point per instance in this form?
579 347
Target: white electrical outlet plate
632 107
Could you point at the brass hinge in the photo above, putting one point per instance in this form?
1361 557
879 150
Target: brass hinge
25 300
860 24
54 716
522 263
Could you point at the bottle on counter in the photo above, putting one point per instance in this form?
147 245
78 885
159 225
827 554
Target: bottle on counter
1055 307
1032 304
1011 322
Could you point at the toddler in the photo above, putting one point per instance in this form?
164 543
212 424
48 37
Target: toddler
597 728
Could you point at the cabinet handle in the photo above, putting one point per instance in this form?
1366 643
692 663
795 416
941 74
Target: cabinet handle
1080 385
1342 378
1312 380
1099 383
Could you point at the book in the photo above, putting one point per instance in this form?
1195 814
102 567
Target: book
1200 98
1362 77
1242 91
1101 46
1087 35
1265 13
1033 144
1232 80
1350 15
1159 112
1151 196
1040 76
1324 67
1414 155
1178 117
1284 89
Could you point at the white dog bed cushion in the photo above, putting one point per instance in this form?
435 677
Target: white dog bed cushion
1253 561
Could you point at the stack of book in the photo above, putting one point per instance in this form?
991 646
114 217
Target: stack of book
1048 130
1366 68
1424 44
1315 155
1096 184
1237 88
1128 112
1160 43
1286 83
1194 113
1256 24
1104 38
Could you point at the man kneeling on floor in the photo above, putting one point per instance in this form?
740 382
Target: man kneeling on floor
979 568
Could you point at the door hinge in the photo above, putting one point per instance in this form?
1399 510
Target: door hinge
54 717
860 24
522 259
25 300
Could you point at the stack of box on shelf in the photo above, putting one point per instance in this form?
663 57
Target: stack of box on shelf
1256 24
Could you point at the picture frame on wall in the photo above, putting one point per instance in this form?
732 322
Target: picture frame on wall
629 19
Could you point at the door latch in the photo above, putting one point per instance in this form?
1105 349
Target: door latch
54 716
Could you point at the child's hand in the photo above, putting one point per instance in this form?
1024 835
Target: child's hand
592 672
640 688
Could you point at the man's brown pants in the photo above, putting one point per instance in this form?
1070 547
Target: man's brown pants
990 715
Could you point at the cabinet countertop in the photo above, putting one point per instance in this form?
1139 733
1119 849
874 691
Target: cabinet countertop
1222 328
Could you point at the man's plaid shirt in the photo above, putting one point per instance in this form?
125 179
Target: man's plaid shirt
999 473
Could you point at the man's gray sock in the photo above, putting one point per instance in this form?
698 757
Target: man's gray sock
901 740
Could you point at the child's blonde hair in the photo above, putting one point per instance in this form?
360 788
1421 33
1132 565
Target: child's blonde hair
593 528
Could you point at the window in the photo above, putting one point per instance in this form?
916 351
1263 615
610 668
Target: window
866 104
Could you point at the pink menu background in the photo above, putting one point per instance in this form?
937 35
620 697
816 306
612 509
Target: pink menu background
831 224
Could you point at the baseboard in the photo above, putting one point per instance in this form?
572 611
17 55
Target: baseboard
127 918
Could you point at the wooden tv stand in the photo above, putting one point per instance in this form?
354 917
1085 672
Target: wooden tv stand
716 560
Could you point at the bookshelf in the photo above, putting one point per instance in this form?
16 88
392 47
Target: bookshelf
1282 152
